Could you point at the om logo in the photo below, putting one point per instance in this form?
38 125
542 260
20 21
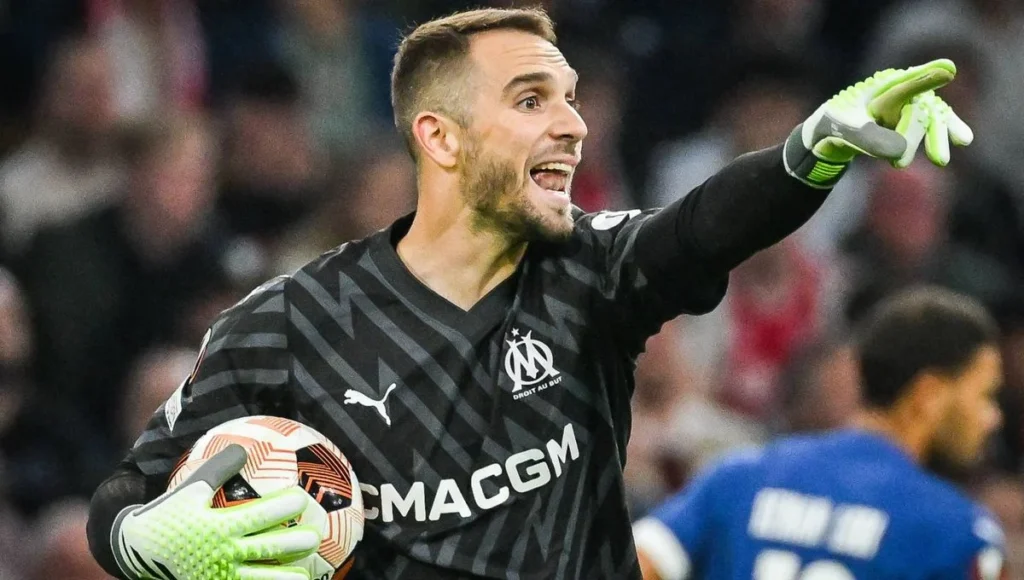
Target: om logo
528 361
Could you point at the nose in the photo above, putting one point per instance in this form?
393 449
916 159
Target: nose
569 125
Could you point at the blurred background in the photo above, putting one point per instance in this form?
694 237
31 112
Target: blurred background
159 158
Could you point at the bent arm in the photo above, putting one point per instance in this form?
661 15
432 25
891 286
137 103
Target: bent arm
126 487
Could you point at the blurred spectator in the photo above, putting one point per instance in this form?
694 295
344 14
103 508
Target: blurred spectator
13 560
653 470
328 45
820 388
238 35
29 30
45 451
67 164
1003 495
600 180
1009 444
63 550
763 99
903 241
765 26
366 194
106 286
15 348
153 377
270 176
776 304
156 51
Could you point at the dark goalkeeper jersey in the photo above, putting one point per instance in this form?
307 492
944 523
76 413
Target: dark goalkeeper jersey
487 443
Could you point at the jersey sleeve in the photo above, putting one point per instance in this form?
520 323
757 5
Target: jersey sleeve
982 554
676 260
642 302
677 535
243 369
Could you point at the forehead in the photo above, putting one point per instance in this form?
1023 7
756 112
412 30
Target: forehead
500 55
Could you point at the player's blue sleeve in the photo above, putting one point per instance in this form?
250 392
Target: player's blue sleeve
677 536
982 556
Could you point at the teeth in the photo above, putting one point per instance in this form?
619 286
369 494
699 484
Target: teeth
563 167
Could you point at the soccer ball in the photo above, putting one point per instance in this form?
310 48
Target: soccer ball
284 453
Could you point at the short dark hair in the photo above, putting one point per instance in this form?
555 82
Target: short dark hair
922 329
434 54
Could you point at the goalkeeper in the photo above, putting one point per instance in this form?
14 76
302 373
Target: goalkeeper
495 177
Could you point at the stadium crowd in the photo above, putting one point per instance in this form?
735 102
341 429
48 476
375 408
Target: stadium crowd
160 158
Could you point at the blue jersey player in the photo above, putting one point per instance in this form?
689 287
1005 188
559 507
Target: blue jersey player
857 503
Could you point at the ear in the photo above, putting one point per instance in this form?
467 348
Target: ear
439 138
931 395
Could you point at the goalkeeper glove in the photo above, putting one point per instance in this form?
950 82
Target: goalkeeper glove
179 536
885 116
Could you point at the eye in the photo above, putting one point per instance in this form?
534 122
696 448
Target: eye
531 103
574 102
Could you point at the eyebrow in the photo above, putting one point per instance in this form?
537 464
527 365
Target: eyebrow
531 78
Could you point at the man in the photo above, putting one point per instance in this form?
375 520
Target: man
856 503
474 360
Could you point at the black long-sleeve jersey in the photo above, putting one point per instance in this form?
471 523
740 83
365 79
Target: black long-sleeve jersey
488 443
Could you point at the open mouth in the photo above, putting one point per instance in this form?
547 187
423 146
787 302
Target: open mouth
553 177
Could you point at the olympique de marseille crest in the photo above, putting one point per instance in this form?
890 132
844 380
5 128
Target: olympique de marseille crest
530 364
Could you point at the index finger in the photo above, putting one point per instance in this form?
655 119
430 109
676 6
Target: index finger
888 99
269 510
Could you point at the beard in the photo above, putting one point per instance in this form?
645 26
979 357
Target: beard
947 459
497 192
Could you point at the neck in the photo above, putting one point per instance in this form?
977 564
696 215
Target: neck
911 436
449 253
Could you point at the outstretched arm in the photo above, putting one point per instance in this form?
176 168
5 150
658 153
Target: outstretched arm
677 260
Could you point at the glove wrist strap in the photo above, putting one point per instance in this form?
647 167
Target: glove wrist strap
118 544
802 164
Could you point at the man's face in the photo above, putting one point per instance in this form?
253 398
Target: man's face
524 136
972 413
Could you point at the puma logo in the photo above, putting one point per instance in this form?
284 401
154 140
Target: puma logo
353 397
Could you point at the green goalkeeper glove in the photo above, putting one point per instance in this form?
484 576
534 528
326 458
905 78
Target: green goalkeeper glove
886 116
179 536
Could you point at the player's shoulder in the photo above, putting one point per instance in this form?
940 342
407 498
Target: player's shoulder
256 311
340 258
594 234
607 223
276 294
950 505
802 447
945 499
